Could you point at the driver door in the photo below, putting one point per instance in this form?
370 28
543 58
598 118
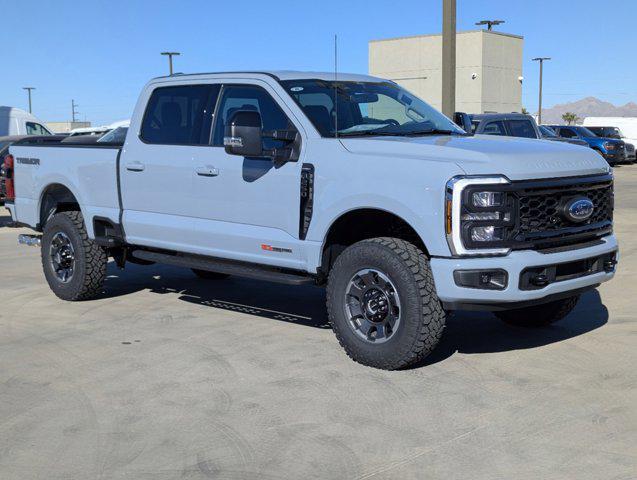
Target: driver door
247 208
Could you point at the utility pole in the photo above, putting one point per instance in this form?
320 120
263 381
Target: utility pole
28 89
73 110
489 23
170 59
448 57
539 110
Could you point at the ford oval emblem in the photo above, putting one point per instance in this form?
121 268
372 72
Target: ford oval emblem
579 209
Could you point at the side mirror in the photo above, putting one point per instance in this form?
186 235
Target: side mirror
463 120
244 134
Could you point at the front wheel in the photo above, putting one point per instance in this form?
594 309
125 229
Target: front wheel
540 315
382 303
73 264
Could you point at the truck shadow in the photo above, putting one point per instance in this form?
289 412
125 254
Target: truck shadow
482 332
466 332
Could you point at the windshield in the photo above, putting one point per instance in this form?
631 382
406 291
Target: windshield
547 132
114 136
584 132
366 108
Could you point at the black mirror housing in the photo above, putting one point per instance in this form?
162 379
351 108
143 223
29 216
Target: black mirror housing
244 134
463 120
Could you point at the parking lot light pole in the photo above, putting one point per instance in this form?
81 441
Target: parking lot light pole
490 23
28 89
539 111
170 59
448 57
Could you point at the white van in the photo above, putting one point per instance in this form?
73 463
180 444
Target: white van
14 121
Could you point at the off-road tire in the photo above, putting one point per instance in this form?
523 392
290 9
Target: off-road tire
90 259
209 275
540 315
422 318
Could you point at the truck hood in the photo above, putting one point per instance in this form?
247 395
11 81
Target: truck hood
517 158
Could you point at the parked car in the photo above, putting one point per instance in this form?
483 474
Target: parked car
549 134
614 132
14 121
613 150
627 126
515 125
397 211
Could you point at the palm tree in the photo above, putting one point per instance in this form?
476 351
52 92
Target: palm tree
525 111
570 118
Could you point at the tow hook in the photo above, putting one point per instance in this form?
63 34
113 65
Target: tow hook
30 240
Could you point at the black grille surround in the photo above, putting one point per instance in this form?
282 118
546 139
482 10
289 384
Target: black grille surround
536 219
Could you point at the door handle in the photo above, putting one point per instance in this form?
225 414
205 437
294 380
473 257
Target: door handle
135 166
207 171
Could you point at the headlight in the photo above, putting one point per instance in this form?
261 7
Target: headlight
609 146
479 215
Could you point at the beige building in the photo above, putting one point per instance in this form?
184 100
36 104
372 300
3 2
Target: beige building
488 68
66 127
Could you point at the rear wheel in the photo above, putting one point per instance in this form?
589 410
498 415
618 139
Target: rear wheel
73 264
540 315
382 303
209 275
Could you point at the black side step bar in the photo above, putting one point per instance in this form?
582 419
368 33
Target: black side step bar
231 267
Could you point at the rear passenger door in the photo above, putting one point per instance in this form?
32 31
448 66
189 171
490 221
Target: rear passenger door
159 163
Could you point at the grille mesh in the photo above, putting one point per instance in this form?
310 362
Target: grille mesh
541 211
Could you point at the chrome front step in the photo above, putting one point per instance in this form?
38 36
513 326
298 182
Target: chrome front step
30 240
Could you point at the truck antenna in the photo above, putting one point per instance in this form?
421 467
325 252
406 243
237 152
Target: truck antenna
335 87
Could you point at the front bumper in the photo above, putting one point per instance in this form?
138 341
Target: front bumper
457 298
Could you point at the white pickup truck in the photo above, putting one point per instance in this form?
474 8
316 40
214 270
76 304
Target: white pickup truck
355 184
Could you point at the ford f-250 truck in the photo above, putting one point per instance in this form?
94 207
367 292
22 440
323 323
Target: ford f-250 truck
352 183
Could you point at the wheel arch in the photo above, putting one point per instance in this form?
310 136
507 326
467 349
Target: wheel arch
56 197
361 224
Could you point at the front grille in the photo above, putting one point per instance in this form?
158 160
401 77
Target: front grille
541 223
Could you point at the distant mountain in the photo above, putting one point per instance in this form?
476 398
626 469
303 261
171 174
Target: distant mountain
588 107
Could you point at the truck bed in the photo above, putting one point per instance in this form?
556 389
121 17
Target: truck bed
89 171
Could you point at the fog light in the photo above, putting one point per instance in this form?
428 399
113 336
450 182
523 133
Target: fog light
485 279
486 234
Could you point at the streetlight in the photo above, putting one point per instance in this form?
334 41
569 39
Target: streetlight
489 23
170 59
28 89
448 57
541 60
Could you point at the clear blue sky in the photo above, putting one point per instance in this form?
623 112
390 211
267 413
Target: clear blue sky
100 53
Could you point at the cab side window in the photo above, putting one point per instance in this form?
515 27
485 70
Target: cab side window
494 128
250 97
567 133
521 128
36 129
180 115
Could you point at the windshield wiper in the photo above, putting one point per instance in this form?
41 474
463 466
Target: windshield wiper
369 133
385 133
434 131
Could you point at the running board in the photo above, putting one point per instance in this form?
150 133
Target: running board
230 267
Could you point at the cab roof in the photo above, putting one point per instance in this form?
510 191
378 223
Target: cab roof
281 75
